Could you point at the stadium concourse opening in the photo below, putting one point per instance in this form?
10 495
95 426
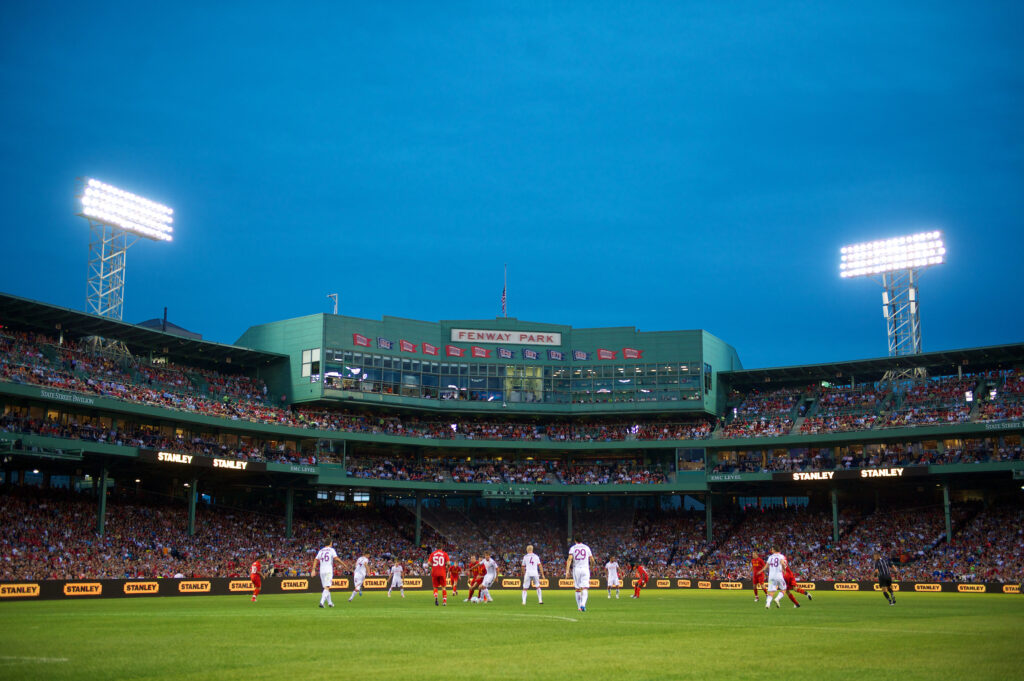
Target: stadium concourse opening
187 460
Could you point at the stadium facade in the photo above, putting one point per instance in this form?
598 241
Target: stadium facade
672 415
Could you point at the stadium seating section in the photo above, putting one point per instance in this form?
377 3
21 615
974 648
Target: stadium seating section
50 534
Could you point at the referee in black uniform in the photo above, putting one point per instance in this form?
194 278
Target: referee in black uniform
883 573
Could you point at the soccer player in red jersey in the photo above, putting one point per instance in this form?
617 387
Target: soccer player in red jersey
757 574
791 586
439 573
641 579
454 572
256 577
476 571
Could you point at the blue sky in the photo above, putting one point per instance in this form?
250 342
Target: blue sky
663 165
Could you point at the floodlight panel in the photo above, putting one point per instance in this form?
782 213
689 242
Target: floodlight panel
900 253
109 205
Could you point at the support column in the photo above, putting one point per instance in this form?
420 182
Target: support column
419 517
101 507
707 512
289 509
193 495
568 517
835 517
949 522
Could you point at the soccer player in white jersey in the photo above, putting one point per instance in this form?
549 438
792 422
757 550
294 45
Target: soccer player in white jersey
358 575
396 572
611 569
533 572
580 559
324 562
776 564
489 576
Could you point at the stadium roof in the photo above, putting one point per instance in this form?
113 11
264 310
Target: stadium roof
49 319
944 362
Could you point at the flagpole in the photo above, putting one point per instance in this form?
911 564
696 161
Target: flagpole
504 307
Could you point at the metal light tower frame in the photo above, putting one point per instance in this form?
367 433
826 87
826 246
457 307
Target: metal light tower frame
108 251
899 261
117 219
902 311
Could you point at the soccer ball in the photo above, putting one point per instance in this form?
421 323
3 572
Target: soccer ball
474 599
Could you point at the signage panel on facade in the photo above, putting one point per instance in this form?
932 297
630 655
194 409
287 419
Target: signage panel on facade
506 337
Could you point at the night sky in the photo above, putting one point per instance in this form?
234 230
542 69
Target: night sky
664 165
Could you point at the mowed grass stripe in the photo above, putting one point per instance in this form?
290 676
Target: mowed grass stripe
664 635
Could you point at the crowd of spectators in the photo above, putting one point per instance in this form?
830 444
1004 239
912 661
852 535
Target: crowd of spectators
50 534
537 472
1005 400
150 438
934 401
838 410
41 360
37 360
468 429
888 455
989 548
762 414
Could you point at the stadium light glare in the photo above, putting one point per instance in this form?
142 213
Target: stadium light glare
109 205
897 262
899 253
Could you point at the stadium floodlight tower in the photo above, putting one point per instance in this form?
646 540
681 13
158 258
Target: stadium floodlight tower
898 261
117 220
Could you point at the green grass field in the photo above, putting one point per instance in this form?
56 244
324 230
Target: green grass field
664 635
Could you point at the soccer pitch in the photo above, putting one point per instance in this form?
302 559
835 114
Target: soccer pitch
663 635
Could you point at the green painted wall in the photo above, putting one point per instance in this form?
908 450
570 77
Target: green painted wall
289 337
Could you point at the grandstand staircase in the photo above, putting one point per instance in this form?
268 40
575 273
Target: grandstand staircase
885 407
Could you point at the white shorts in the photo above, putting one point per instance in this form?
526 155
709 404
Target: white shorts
581 577
488 580
614 582
326 579
531 579
357 579
396 581
776 584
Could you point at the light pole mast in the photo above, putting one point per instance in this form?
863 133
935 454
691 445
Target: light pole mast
899 262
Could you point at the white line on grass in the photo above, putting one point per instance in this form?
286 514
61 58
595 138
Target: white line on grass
14 659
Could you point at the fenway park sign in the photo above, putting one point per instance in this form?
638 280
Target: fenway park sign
508 337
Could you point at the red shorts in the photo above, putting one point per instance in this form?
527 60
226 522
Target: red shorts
256 582
760 580
791 584
476 582
438 581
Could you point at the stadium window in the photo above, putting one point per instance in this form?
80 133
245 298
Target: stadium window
311 364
